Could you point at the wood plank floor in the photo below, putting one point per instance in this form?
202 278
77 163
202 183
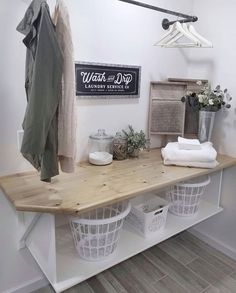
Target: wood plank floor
182 264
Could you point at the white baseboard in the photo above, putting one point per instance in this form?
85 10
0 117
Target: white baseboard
229 251
28 287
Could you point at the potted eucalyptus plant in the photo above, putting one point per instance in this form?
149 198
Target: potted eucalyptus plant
135 141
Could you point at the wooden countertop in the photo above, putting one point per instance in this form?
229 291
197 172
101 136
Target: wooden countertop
92 186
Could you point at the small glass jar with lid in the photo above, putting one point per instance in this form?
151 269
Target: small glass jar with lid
119 147
100 148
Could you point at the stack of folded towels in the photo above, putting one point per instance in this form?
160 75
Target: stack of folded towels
190 152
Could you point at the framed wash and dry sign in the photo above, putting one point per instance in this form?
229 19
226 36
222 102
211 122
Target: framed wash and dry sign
96 80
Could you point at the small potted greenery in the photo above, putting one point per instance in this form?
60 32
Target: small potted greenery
135 141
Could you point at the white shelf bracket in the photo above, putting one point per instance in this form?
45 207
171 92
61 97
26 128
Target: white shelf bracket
220 187
25 225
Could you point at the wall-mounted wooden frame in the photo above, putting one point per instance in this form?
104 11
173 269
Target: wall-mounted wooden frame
107 81
167 108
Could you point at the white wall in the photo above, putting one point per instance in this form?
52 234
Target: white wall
103 31
216 22
117 32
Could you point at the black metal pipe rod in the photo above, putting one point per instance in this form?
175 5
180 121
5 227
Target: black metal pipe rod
157 8
190 19
166 23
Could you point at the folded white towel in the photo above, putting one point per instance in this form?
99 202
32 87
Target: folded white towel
208 165
189 144
172 153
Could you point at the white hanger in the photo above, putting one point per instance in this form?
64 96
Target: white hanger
205 42
182 32
191 36
175 39
170 34
177 31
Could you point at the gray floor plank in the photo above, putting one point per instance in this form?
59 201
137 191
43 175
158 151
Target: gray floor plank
208 255
80 288
211 289
97 286
233 275
177 251
47 289
144 269
178 272
209 249
168 285
110 283
225 285
128 281
212 274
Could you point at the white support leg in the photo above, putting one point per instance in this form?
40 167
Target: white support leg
213 190
220 186
25 225
36 231
41 242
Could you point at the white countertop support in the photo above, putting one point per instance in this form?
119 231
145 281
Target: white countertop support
50 241
26 222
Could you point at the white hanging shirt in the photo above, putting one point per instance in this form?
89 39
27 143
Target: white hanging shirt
67 105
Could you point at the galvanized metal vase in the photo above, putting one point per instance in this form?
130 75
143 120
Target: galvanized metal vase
206 123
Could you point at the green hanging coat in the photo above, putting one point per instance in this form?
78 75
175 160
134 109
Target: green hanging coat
43 73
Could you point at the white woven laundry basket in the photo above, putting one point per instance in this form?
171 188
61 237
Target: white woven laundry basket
184 197
96 233
148 217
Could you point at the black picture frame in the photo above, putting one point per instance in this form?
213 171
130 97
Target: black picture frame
107 81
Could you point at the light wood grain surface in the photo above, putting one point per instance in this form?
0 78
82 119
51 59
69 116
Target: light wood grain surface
93 186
